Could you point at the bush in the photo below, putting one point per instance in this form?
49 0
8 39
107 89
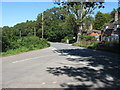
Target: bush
107 46
26 44
32 42
87 44
70 38
86 38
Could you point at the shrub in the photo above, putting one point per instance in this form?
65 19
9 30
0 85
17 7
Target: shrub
87 44
26 44
86 38
70 38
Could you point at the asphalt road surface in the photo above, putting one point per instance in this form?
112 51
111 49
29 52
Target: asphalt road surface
61 66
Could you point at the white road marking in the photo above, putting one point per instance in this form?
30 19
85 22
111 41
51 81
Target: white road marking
69 56
31 58
59 53
54 49
54 82
43 83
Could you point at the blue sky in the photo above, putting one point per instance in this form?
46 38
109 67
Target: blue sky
17 12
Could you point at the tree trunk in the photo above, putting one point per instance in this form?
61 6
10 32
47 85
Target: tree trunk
79 32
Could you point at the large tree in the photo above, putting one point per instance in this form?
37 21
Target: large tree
80 10
56 23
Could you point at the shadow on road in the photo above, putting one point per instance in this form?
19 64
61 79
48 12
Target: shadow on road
100 68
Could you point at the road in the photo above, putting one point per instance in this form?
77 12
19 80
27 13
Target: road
61 66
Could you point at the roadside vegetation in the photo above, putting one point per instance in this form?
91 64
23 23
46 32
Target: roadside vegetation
107 46
24 44
91 43
60 24
86 41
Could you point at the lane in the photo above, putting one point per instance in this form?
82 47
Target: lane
59 66
13 72
31 73
62 46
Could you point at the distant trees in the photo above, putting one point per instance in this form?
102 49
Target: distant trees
102 18
57 25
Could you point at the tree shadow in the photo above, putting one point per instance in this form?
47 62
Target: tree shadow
97 67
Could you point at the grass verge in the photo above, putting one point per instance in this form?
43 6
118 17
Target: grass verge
115 48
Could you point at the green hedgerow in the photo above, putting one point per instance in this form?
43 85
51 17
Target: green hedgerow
27 43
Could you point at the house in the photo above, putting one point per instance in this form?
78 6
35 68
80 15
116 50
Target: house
91 32
112 30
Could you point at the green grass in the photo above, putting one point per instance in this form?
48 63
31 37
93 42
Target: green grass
15 51
19 50
86 44
94 45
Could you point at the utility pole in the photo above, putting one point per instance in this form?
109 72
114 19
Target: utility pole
42 24
34 31
20 33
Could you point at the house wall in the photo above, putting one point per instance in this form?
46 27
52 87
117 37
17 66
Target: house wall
111 36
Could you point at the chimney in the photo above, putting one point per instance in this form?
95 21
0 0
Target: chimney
116 16
91 27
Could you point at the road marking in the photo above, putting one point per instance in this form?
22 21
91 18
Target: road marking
54 82
70 56
43 83
68 83
59 53
32 58
54 49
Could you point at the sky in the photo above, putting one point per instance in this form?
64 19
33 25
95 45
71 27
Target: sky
17 12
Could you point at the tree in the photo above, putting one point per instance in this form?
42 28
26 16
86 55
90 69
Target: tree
108 17
100 20
89 20
80 10
58 23
8 37
113 13
69 26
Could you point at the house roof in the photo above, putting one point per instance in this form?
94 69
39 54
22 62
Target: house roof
117 22
94 34
110 25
